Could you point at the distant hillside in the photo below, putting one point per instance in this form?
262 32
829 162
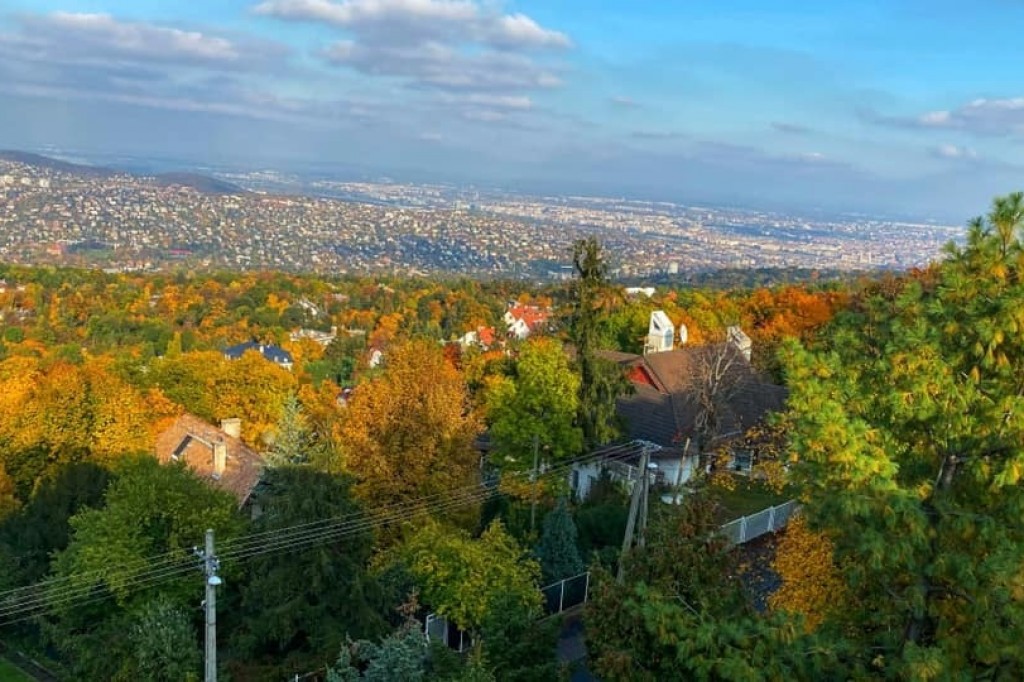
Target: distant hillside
55 164
200 183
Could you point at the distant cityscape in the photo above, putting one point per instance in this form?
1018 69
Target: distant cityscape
58 213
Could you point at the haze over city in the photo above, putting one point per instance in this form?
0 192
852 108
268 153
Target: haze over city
908 109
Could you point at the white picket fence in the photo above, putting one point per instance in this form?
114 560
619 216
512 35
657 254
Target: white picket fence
746 528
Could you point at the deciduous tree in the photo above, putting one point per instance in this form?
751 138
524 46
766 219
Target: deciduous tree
466 579
536 407
408 432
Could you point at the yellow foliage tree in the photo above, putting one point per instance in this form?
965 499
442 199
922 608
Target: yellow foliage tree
811 582
408 431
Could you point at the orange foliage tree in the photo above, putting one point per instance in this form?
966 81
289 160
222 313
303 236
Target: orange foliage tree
408 431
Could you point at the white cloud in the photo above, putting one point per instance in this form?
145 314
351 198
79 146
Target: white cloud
1002 117
77 38
353 12
404 20
812 157
623 102
952 151
514 102
440 66
519 30
142 39
454 45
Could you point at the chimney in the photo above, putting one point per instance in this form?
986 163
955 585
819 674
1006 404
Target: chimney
232 427
220 458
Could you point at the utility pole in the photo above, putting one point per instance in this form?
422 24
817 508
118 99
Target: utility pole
634 507
210 567
641 541
533 506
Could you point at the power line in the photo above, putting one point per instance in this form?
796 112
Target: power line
293 537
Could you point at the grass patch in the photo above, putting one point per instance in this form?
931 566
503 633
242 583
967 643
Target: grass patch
10 673
748 497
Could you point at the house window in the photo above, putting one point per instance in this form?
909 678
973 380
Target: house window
743 460
574 479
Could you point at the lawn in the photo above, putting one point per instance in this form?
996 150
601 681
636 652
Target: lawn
9 673
747 498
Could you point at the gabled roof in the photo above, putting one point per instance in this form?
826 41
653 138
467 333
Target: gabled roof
189 439
272 353
665 404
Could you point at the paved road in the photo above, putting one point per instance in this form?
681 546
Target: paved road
572 649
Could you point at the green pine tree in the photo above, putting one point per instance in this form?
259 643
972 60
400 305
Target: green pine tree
558 552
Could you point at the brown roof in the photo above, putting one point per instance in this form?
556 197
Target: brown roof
667 412
190 440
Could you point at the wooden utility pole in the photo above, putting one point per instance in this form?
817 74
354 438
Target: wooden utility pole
634 507
644 502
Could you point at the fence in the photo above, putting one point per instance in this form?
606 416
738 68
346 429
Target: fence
768 520
438 628
566 594
558 598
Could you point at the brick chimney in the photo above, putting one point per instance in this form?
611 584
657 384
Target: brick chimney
220 458
232 427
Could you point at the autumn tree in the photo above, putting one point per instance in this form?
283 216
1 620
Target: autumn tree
909 431
812 585
408 432
465 579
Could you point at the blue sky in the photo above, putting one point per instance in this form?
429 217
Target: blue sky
899 106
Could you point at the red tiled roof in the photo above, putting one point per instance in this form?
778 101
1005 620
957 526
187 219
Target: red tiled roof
486 335
531 315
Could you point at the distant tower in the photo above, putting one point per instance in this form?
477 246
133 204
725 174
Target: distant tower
738 338
683 335
660 333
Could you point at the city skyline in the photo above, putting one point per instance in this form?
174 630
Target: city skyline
906 107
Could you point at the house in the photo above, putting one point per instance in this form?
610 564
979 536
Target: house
621 463
484 337
217 455
523 320
322 338
689 398
275 354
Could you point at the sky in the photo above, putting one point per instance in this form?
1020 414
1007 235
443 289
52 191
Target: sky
901 107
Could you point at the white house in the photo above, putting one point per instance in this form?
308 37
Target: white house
621 463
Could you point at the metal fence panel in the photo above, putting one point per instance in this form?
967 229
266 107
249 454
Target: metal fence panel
436 628
757 524
783 513
734 531
746 528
